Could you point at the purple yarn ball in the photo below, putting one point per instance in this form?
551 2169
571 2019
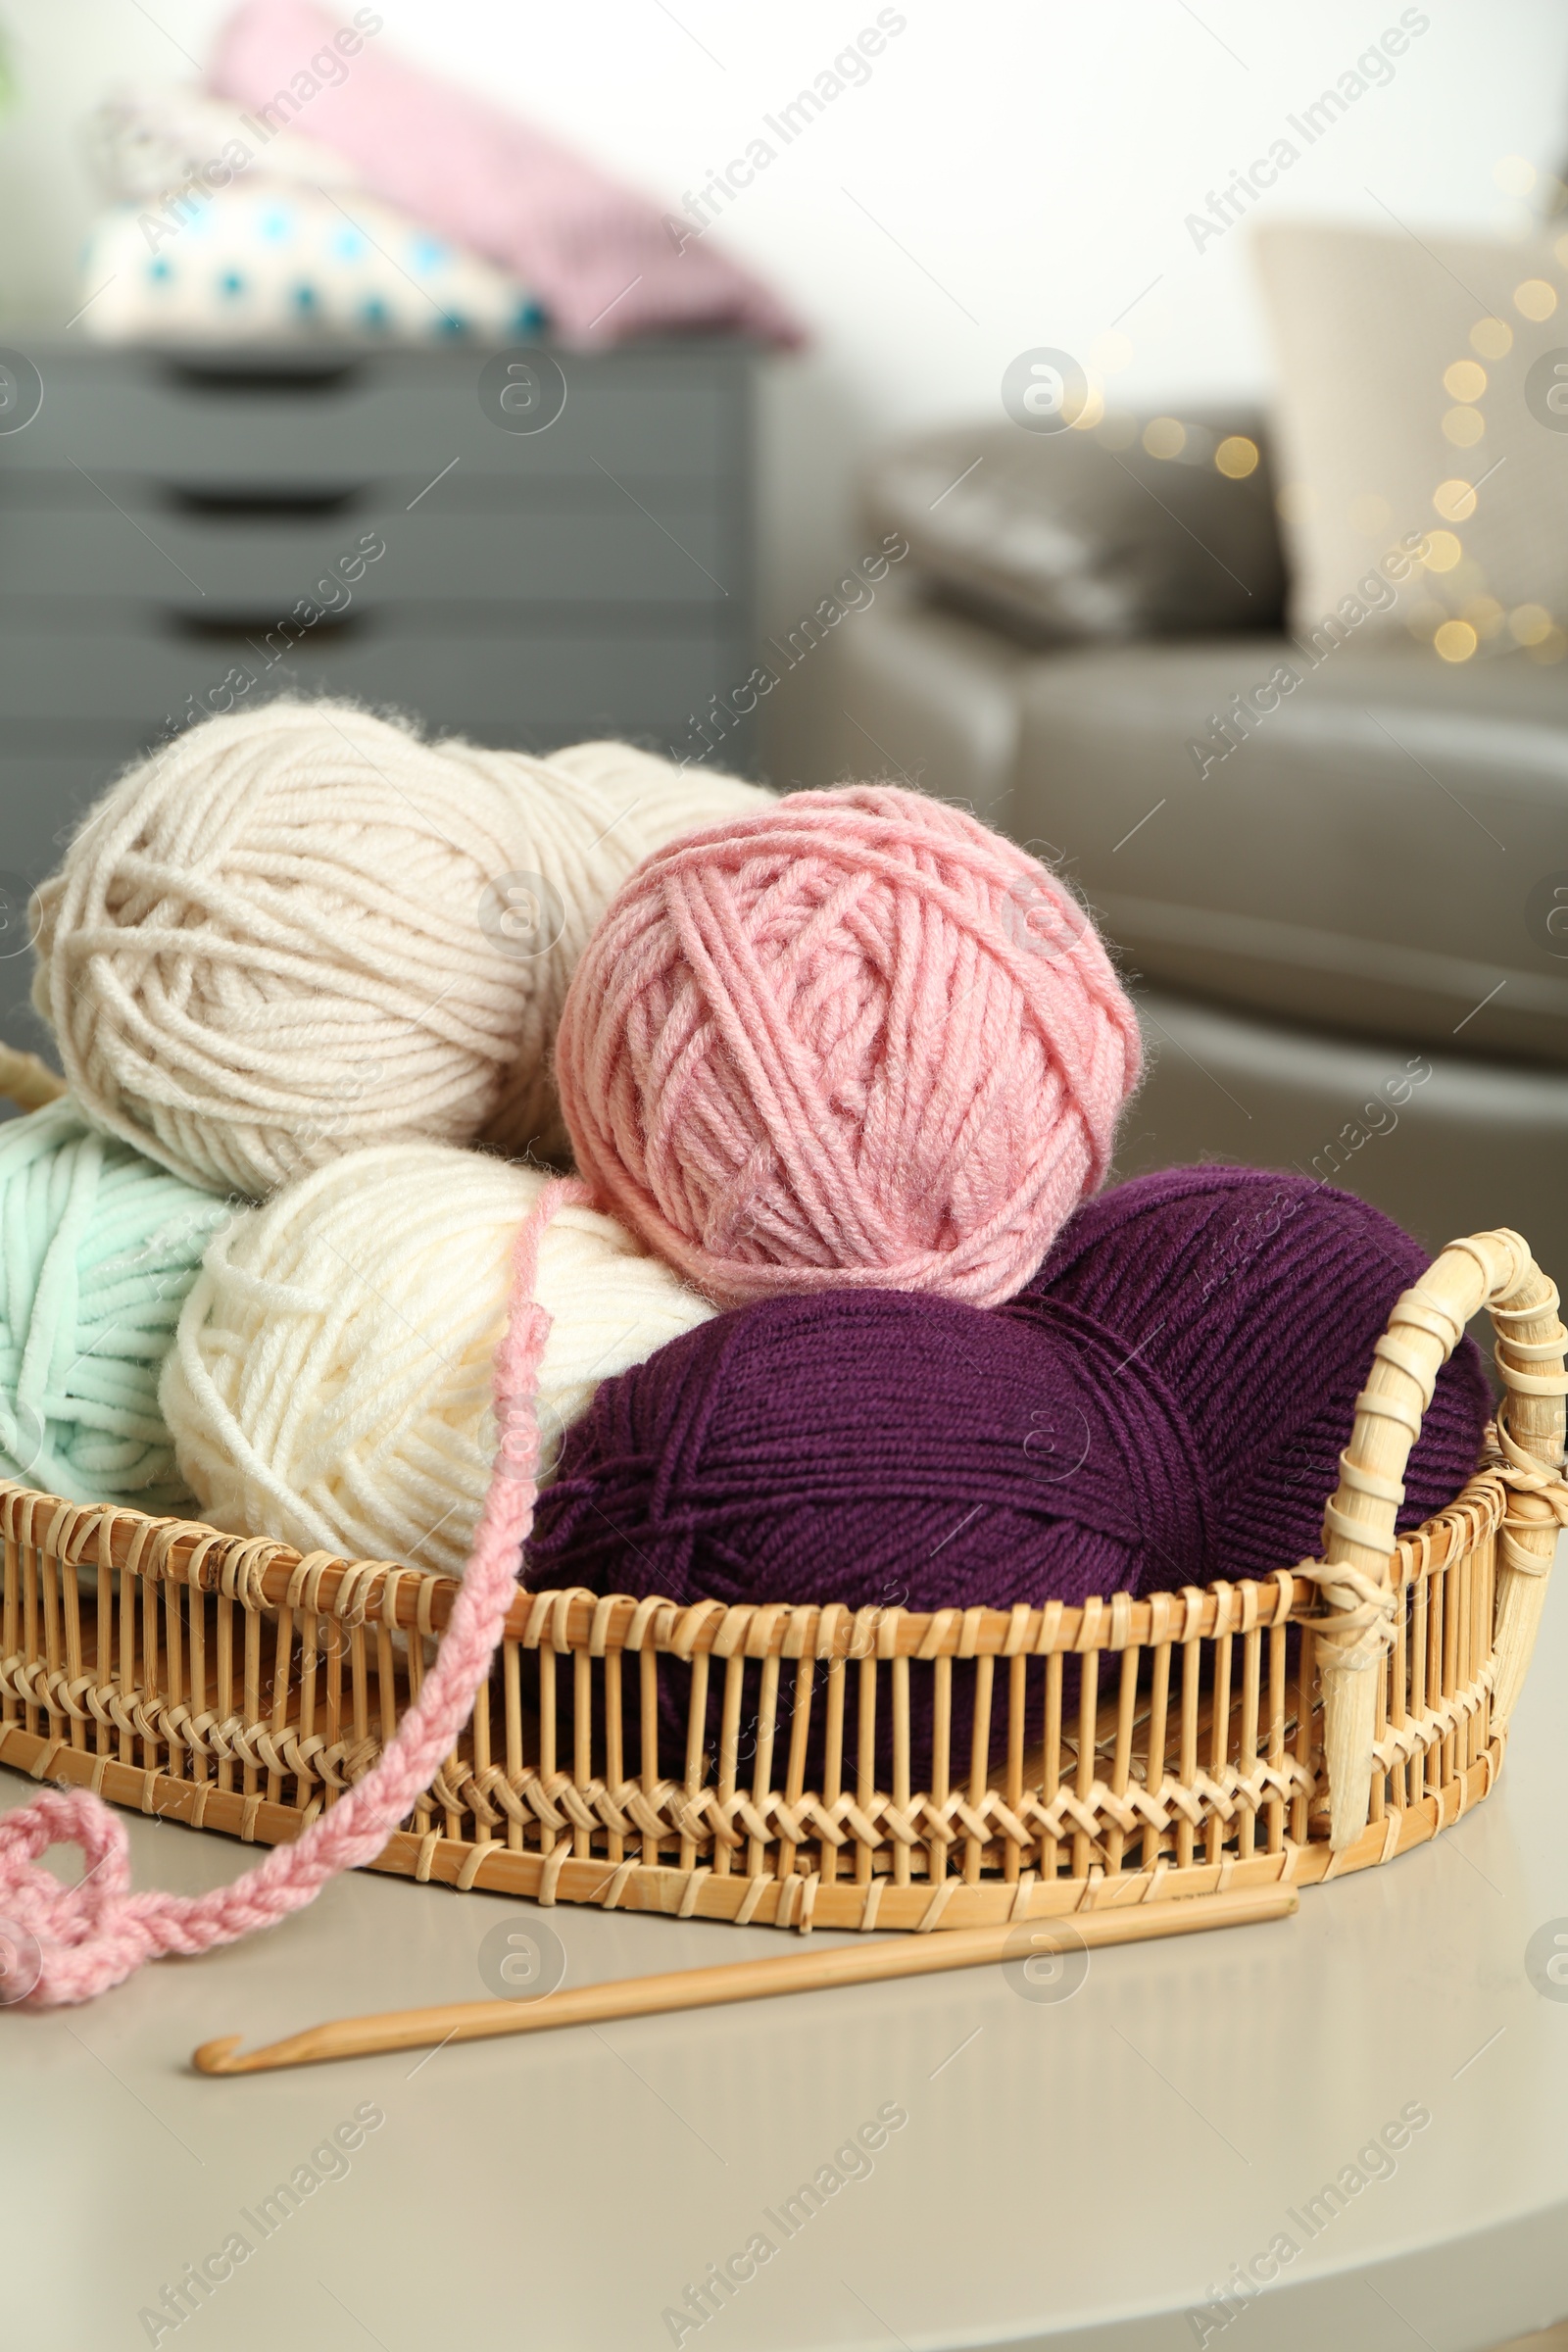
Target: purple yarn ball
1257 1299
879 1447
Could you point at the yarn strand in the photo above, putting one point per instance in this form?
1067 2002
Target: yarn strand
95 1935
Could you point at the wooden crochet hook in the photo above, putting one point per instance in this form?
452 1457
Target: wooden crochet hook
865 1963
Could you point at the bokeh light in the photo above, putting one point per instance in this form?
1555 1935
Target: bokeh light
1529 623
1164 437
1237 457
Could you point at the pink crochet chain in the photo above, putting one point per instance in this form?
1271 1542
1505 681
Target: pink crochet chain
97 1933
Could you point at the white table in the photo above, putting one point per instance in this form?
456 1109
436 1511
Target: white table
1071 2172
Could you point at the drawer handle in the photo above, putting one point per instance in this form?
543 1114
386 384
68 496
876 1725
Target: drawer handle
244 372
244 500
197 628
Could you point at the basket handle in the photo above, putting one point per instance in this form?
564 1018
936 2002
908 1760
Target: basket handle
27 1081
1495 1270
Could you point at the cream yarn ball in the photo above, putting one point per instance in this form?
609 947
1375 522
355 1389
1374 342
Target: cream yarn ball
330 1381
299 930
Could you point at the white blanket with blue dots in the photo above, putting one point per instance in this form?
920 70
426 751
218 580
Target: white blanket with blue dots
234 245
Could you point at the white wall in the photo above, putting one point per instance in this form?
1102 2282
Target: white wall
1029 166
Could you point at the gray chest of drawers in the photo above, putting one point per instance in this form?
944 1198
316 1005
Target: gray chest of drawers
192 533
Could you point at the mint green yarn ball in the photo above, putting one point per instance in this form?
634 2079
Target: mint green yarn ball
98 1248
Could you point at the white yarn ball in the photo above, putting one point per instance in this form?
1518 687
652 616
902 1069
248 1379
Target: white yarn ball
330 1381
300 930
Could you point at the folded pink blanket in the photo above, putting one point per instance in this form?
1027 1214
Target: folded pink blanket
598 256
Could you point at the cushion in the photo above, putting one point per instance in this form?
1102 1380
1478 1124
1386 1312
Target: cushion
1373 848
260 261
1410 404
149 142
1074 535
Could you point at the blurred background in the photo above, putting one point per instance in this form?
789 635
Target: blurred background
1147 425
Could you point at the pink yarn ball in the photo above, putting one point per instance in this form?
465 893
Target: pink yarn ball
856 1038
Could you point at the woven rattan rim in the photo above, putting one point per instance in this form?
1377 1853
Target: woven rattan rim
260 1574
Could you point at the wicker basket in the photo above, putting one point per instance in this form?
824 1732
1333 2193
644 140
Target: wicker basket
1325 1718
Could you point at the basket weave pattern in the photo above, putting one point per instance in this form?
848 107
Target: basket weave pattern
235 1686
